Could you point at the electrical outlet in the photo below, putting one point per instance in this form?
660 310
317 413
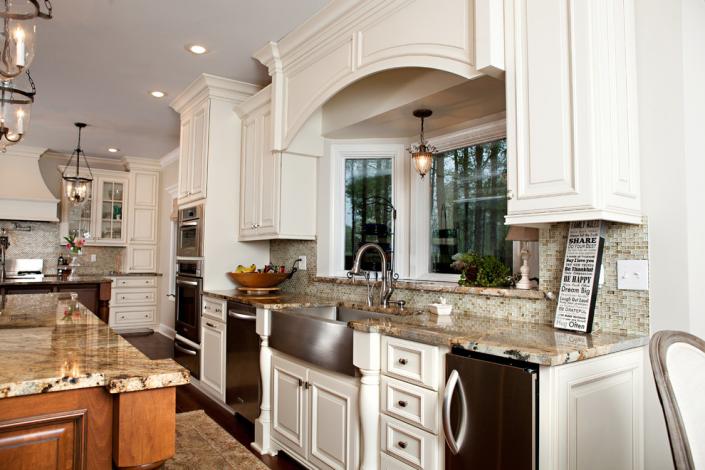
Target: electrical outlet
632 274
302 263
93 258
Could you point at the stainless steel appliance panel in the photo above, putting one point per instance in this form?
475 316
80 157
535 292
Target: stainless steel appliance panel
242 376
190 232
188 307
489 414
188 355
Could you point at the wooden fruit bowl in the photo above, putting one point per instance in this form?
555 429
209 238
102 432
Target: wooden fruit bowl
258 280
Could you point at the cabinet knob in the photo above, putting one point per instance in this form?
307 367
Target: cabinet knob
146 296
510 194
402 361
402 444
307 385
146 315
402 403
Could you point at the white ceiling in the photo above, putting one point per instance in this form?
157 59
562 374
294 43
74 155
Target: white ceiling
96 60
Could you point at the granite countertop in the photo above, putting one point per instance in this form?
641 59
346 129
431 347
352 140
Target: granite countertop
47 347
531 342
275 302
55 280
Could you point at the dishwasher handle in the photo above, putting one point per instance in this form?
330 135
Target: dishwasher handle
241 316
184 350
454 443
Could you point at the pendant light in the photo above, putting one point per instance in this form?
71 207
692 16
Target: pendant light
78 186
15 107
422 153
18 34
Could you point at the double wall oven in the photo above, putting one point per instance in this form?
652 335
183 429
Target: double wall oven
189 288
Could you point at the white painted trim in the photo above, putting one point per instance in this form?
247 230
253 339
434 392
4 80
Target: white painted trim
166 331
212 86
92 161
334 266
169 158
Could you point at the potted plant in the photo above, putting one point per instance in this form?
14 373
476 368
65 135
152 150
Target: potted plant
482 271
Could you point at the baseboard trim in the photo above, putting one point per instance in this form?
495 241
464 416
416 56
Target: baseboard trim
166 331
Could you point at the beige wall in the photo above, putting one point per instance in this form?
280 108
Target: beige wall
167 181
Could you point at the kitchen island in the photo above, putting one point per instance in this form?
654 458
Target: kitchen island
73 394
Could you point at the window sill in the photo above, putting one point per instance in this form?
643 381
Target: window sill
446 287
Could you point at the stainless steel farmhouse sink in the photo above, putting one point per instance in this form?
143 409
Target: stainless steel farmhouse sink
318 335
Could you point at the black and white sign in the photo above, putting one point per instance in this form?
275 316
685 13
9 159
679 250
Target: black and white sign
581 269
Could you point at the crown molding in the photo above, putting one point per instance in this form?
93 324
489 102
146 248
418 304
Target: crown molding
212 86
169 158
100 161
25 151
141 163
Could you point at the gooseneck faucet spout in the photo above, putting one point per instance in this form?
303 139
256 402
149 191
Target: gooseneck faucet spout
387 274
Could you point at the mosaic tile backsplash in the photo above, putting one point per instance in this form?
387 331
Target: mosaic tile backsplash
42 241
616 310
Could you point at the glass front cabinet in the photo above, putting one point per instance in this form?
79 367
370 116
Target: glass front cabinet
101 218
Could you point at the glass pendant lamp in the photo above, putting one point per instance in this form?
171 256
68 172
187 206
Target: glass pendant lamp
15 107
422 153
18 34
77 184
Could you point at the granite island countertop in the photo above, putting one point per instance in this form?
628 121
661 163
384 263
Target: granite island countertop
55 280
274 302
51 343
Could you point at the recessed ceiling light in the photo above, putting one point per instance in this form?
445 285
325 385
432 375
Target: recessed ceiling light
196 49
113 150
157 94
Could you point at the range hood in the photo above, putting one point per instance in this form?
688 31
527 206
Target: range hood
23 193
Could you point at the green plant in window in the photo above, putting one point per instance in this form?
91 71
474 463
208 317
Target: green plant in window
482 271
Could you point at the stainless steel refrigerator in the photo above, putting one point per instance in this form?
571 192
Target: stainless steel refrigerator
490 413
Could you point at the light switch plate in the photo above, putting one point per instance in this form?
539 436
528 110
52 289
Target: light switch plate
632 274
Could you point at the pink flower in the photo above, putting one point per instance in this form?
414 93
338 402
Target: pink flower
68 245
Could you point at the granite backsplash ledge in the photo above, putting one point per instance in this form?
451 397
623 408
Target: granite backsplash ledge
616 310
42 240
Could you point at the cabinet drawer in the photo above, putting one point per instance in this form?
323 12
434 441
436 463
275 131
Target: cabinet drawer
410 403
135 297
131 316
390 463
137 281
410 361
409 444
215 308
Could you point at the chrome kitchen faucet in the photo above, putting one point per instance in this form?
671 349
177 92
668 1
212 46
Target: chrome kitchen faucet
388 276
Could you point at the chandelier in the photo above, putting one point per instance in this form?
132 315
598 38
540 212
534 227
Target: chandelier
422 153
15 106
18 34
78 186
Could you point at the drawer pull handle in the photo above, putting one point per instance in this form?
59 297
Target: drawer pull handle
402 403
402 361
301 383
210 324
402 444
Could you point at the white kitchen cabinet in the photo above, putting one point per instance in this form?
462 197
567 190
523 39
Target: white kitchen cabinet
141 253
213 337
590 412
315 414
102 218
277 189
193 157
289 416
133 303
572 147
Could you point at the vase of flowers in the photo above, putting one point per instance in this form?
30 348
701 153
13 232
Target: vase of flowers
75 247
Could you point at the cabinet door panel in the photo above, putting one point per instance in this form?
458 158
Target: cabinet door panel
548 169
143 225
199 160
146 186
333 422
269 178
142 258
289 404
249 175
213 357
185 156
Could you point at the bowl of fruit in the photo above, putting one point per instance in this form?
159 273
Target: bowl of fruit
252 278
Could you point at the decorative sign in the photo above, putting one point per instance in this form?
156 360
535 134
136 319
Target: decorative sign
581 270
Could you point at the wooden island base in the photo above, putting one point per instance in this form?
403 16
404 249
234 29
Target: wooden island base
88 429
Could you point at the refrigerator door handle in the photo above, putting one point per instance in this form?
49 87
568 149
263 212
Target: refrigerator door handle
454 443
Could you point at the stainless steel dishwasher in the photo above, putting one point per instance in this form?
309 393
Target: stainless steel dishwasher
490 409
242 375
